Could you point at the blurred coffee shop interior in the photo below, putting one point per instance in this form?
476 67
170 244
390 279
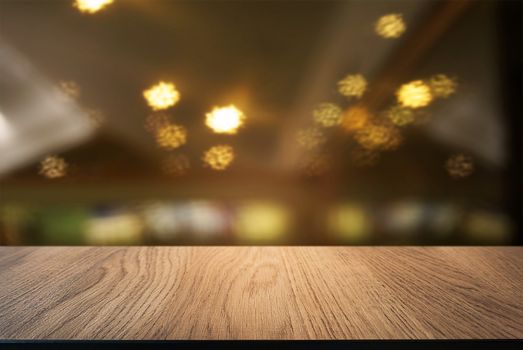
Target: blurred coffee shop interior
131 122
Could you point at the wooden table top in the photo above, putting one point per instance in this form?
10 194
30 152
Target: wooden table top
261 292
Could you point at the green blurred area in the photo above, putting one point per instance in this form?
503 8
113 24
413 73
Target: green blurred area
61 225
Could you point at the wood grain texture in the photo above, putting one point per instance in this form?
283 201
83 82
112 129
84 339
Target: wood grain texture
260 292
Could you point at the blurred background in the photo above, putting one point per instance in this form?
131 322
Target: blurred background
260 122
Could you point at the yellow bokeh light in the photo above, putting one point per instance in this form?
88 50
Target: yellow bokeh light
171 136
225 120
460 166
119 229
327 114
53 167
176 164
415 94
349 222
352 85
91 6
161 96
400 116
355 118
310 138
378 137
442 86
488 228
260 221
219 157
390 26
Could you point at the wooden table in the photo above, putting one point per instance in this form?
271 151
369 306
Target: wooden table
260 292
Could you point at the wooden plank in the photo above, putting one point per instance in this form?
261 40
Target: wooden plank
261 292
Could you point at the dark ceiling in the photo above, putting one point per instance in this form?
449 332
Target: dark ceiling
273 59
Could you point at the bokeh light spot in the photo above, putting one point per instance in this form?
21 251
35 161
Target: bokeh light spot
219 157
225 120
91 6
119 229
53 167
400 116
378 137
327 114
353 85
442 86
258 222
350 223
161 96
460 166
488 227
355 118
415 94
171 136
390 26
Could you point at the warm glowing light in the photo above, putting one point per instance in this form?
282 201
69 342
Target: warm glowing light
171 136
208 219
443 218
91 6
53 167
355 118
442 86
225 120
310 138
488 227
349 222
460 166
199 218
164 220
327 114
415 94
219 157
257 222
378 137
162 96
400 116
156 121
390 26
123 229
176 164
404 218
352 85
70 88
